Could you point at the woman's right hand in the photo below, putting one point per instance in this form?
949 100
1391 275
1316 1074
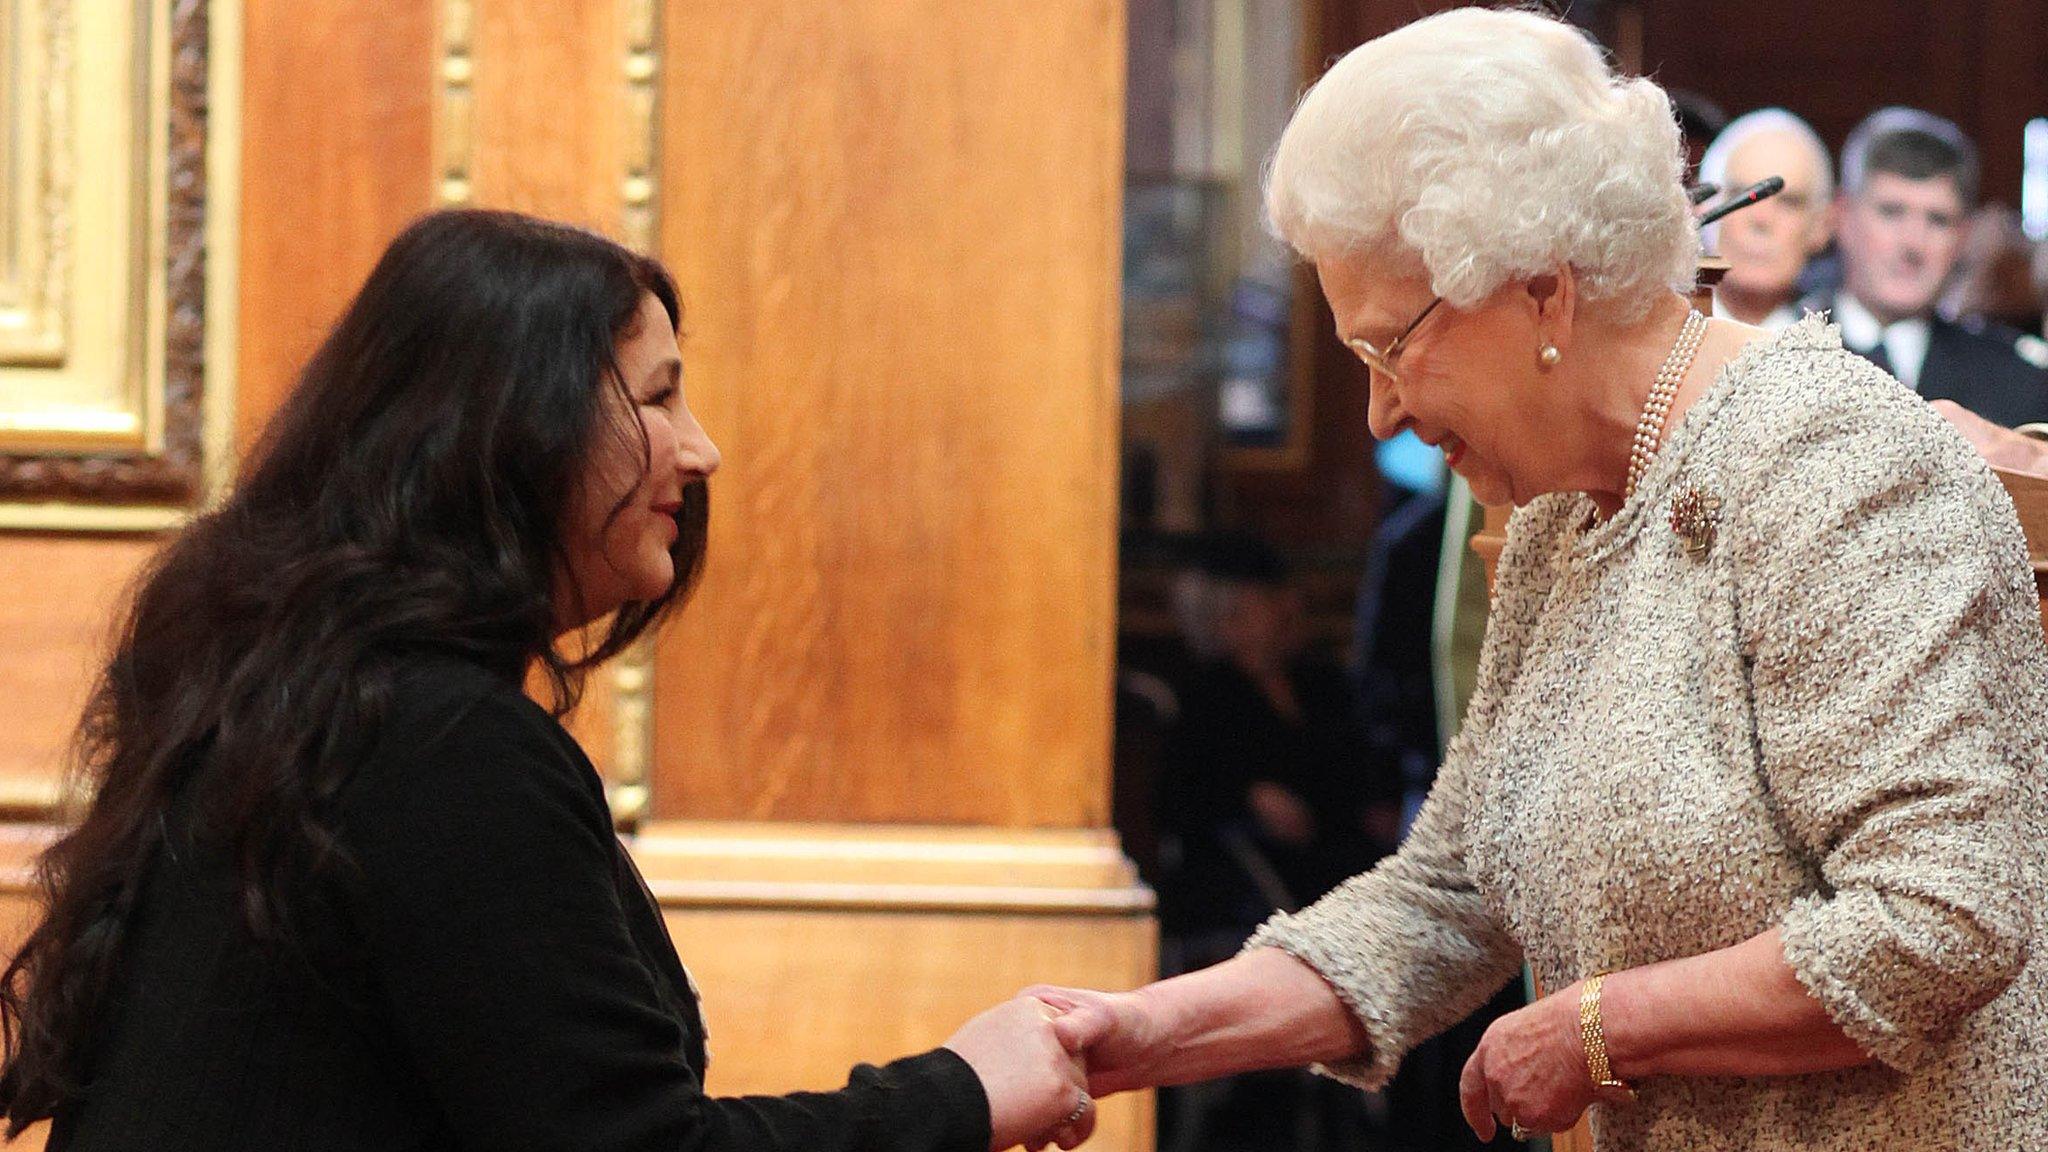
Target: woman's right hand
1034 1082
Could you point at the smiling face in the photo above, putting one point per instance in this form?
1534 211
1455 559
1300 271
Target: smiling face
1768 243
1900 239
1469 382
624 518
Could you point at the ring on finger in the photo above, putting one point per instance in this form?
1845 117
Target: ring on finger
1517 1131
1079 1111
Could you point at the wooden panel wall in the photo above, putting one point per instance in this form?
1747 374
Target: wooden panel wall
337 133
54 625
897 229
548 125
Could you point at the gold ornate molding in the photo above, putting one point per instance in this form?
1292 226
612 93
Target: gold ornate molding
36 148
455 104
632 735
640 223
115 424
639 184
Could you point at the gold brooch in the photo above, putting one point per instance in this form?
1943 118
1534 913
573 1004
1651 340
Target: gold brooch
1694 516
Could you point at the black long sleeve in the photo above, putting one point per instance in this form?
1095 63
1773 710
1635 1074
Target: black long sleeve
503 989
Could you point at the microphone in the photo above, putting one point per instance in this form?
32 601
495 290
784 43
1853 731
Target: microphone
1701 193
1763 189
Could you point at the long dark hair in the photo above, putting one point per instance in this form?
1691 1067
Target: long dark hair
408 498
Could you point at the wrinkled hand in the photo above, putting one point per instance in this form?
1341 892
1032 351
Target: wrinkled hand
1033 1077
1115 1032
1530 1070
1998 445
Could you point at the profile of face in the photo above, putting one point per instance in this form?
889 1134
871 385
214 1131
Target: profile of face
1900 239
630 508
1768 243
1468 382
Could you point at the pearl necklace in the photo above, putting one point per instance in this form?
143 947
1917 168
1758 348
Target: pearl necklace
1650 428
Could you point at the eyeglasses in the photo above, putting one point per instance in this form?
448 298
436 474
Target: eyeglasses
1383 362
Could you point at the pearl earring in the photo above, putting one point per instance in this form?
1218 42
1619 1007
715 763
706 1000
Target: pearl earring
1549 356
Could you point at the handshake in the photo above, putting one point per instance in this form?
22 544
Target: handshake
1044 1056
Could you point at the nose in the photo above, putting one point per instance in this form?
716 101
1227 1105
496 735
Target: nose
1915 240
696 455
1383 412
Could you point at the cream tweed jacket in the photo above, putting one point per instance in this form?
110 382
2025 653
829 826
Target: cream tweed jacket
1834 722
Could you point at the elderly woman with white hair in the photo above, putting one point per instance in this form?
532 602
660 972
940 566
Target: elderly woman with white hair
1753 776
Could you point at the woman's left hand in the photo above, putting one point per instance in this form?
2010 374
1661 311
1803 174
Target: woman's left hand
1529 1070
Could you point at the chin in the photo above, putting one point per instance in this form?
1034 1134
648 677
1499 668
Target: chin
1492 491
652 581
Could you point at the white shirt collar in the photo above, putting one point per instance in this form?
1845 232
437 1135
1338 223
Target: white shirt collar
1905 343
1783 316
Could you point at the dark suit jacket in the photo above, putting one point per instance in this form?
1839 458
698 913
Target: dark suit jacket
1975 365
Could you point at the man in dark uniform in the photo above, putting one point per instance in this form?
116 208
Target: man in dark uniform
1909 180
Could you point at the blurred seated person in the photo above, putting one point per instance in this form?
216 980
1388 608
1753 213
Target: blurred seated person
1909 181
1767 244
1268 786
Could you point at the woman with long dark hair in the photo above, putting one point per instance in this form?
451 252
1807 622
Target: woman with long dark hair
342 884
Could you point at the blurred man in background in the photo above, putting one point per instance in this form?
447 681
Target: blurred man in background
1909 182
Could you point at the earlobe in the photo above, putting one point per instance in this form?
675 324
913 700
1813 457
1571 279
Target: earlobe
1551 295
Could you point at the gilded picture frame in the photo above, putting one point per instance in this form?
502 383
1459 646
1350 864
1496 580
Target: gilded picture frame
110 404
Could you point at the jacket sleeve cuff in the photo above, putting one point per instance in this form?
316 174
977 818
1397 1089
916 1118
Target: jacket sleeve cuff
935 1101
1372 1068
1824 954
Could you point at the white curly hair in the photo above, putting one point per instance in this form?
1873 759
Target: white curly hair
1488 146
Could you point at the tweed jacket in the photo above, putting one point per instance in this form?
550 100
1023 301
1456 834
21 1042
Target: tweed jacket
1831 719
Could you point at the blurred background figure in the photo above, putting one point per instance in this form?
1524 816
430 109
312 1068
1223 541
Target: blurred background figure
1909 183
1271 791
1768 244
1392 669
1994 279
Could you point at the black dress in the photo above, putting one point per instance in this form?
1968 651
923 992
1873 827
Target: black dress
487 972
